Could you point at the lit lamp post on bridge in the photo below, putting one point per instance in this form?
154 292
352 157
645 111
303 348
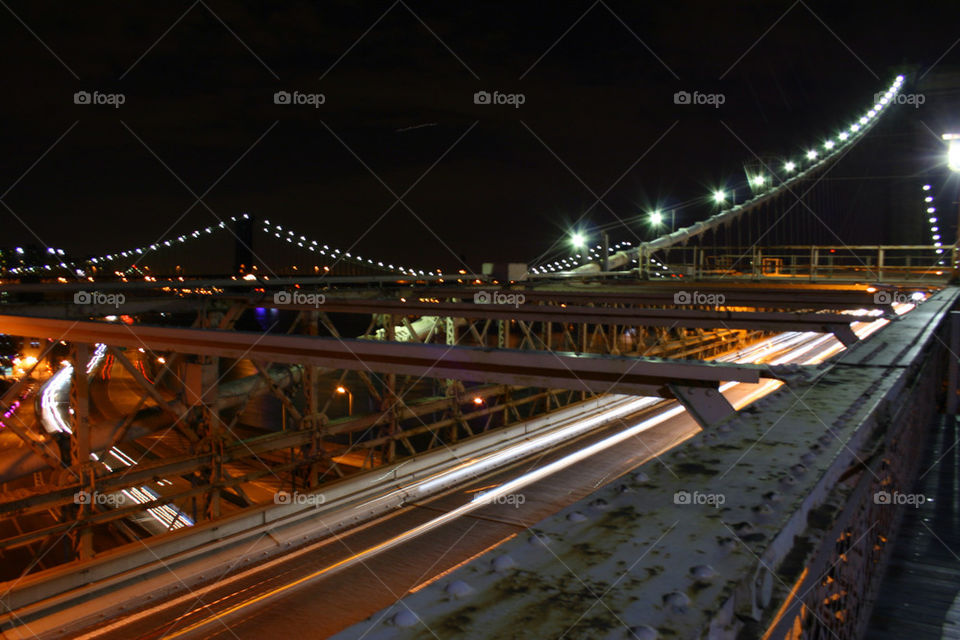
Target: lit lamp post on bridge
720 198
343 391
579 242
657 219
953 162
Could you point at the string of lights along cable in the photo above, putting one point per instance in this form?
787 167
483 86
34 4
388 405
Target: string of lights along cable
931 212
81 268
763 186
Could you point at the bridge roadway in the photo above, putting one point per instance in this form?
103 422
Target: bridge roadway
341 580
796 547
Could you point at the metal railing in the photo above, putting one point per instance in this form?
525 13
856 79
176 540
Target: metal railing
857 263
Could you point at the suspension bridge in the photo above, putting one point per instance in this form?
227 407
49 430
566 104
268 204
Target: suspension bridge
716 431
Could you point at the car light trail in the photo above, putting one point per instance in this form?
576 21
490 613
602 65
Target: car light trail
56 420
801 344
51 412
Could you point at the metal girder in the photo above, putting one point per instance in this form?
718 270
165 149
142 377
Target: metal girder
175 408
707 406
146 471
43 450
794 296
588 373
835 323
83 311
277 391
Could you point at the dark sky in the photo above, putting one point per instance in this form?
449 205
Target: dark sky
488 181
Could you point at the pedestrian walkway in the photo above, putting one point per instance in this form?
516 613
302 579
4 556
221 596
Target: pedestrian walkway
919 597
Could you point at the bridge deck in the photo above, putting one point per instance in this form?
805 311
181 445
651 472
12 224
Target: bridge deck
918 595
654 563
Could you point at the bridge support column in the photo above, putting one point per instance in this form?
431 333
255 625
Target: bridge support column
200 393
313 420
390 393
86 499
953 370
605 247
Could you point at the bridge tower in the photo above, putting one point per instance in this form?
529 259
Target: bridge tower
243 243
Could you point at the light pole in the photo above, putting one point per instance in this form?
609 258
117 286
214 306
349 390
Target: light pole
656 219
342 390
579 242
953 161
720 196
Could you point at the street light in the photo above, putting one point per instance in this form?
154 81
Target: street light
953 161
790 166
656 218
342 390
577 240
953 150
719 196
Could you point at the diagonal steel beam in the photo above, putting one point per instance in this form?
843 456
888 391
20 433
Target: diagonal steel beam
588 373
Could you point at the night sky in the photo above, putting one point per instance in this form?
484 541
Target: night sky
486 182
